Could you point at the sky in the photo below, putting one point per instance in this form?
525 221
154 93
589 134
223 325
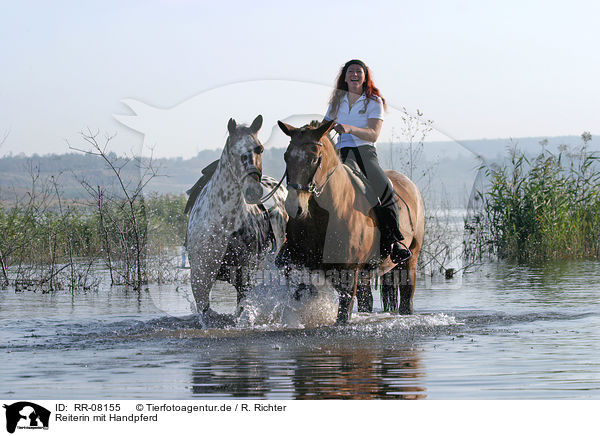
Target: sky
477 69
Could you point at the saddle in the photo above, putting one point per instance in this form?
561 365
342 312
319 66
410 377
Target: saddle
363 186
358 178
195 190
382 216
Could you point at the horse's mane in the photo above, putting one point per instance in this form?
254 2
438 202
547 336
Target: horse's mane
316 123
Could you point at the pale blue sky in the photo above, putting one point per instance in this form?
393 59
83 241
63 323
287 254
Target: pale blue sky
477 69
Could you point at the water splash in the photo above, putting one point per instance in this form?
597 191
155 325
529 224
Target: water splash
298 300
388 324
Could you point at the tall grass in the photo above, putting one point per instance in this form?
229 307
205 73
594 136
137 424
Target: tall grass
47 246
541 208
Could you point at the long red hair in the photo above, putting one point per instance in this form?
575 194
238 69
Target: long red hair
341 87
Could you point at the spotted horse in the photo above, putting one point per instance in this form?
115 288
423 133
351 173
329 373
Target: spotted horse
229 229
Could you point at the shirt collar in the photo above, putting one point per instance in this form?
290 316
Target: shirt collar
362 97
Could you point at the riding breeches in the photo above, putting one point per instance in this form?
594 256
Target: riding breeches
385 205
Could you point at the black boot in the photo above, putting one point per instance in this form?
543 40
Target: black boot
391 236
400 253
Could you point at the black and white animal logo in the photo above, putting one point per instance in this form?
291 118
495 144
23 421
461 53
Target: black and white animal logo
26 415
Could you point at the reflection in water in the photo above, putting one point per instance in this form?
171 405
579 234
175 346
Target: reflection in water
361 374
241 375
508 332
327 372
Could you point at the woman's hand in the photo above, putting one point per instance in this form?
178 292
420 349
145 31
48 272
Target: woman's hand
342 128
370 133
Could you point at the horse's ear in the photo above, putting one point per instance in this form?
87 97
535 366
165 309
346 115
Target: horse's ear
256 124
324 128
287 129
231 126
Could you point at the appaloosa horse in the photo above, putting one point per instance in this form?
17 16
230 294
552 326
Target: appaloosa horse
332 226
229 229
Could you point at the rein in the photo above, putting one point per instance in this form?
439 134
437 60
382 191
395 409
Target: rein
270 194
412 227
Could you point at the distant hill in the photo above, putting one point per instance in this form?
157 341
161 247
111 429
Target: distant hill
496 148
447 170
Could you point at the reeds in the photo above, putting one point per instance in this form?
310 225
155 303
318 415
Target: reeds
49 243
540 208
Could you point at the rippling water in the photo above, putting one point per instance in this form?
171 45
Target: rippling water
502 332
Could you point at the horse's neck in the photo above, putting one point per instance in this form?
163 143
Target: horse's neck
222 193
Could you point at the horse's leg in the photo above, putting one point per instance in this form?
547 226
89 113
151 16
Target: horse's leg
283 258
346 287
408 278
343 309
241 282
364 295
200 290
205 256
389 290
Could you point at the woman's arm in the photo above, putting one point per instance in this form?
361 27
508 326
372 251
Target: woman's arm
371 133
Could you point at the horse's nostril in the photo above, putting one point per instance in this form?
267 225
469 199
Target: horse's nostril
253 193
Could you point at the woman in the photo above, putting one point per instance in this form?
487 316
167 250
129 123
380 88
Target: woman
357 106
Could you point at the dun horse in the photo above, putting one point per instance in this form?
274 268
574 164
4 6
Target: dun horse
331 225
229 229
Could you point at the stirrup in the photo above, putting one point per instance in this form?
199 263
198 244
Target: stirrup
400 253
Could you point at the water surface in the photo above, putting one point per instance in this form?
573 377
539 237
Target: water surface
501 332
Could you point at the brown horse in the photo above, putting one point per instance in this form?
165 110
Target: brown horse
331 224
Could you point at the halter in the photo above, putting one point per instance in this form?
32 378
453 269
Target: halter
312 186
235 177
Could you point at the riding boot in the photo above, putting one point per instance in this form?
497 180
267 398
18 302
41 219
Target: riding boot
391 236
400 253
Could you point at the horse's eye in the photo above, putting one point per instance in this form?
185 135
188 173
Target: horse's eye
259 149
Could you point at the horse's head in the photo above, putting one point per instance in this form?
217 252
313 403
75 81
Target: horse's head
306 154
244 152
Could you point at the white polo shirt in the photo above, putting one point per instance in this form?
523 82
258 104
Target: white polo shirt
356 116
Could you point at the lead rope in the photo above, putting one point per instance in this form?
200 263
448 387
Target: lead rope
270 194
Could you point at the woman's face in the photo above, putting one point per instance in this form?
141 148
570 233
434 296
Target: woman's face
355 77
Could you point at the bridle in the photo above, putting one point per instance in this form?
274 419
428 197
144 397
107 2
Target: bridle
312 187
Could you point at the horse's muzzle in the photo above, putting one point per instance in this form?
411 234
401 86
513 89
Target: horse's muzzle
253 190
254 175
